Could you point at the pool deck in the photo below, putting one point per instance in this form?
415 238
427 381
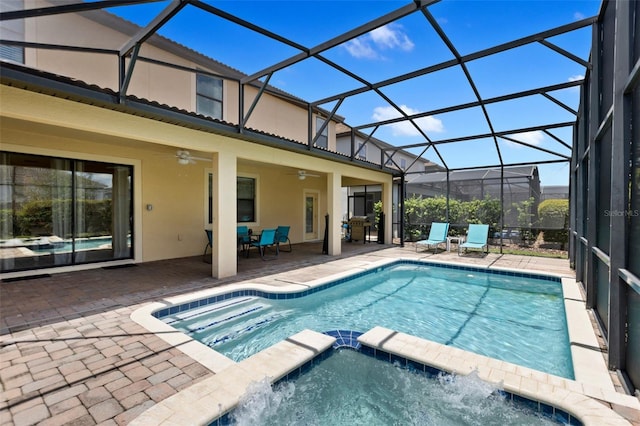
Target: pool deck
72 354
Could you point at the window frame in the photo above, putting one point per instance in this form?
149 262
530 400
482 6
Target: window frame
255 199
322 140
200 95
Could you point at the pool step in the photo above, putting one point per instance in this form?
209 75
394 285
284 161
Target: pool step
214 308
243 327
217 323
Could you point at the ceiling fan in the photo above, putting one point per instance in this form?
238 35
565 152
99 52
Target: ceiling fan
184 157
303 174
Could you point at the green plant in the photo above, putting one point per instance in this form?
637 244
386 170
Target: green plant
419 213
413 213
525 218
46 217
554 214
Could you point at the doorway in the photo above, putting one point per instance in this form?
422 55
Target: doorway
310 215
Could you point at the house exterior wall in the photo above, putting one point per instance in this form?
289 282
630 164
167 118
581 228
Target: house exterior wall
40 124
170 200
170 86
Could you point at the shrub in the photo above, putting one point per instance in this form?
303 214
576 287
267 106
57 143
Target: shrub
39 217
419 213
554 214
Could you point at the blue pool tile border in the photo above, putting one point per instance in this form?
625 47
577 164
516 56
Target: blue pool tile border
164 312
548 411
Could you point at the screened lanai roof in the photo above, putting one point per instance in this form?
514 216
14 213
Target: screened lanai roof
494 173
438 79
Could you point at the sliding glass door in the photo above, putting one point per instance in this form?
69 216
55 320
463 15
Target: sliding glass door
59 212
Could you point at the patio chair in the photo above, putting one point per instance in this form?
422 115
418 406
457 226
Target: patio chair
209 243
437 234
267 239
244 238
476 238
282 236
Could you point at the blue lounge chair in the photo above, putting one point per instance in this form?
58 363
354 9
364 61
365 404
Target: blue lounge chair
267 239
476 238
209 244
282 236
437 234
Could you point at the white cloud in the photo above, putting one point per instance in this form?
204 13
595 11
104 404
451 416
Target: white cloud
387 37
359 49
576 77
534 138
405 128
578 16
391 36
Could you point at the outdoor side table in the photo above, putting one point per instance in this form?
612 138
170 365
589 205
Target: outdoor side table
459 240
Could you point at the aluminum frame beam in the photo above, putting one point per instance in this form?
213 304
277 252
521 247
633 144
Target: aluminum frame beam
68 8
467 74
467 58
356 32
496 99
152 27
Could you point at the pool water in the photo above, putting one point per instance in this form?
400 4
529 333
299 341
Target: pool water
349 388
65 246
512 318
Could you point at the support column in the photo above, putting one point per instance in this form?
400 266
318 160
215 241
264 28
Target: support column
589 278
334 208
387 208
224 262
620 172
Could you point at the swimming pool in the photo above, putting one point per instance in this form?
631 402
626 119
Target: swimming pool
514 317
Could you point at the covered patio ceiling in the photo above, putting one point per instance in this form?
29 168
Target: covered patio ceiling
509 119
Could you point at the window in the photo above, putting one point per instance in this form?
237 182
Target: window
403 163
209 96
246 199
64 211
362 151
323 138
12 53
12 30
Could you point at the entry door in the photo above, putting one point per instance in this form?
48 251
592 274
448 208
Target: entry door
310 216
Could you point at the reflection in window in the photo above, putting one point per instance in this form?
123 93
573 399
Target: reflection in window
58 212
246 199
309 210
362 151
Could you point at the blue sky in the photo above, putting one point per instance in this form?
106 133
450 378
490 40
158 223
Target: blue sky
404 46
